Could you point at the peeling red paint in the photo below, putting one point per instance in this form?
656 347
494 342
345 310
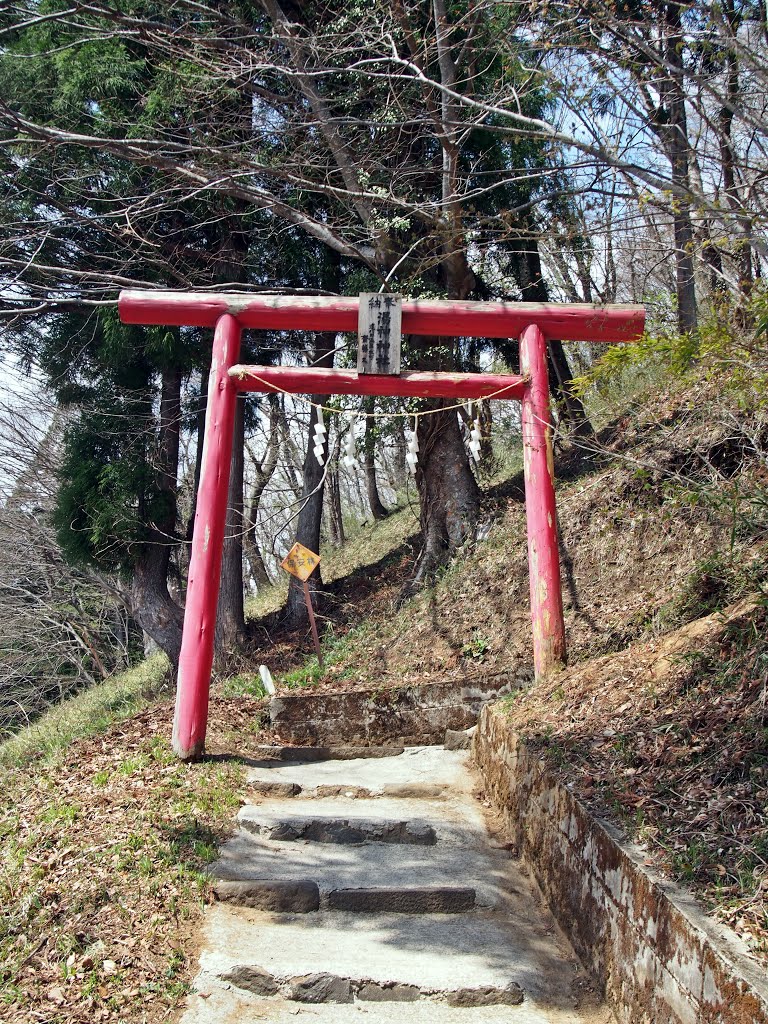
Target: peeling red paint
538 468
196 658
315 380
577 321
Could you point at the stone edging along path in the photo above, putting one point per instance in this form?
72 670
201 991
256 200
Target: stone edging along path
659 959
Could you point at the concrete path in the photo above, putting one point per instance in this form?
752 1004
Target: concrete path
370 890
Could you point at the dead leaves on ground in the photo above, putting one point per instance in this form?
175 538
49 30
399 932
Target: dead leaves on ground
679 756
101 875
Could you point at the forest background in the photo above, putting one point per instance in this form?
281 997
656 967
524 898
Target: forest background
563 151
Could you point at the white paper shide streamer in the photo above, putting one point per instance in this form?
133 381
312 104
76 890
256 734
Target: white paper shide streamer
475 440
412 455
319 448
349 461
475 434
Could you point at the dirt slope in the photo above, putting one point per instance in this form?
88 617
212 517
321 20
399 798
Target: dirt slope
662 521
661 718
669 738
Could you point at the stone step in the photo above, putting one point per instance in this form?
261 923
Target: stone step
446 817
426 934
440 955
346 830
404 900
313 754
432 845
284 790
220 1002
361 820
429 772
333 988
290 896
302 896
370 865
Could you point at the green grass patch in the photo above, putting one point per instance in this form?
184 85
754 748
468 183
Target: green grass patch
339 652
267 601
307 675
374 542
88 713
246 684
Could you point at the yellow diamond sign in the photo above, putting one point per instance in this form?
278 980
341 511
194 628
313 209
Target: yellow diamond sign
300 562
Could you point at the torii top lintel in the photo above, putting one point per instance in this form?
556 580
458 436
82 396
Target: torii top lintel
449 318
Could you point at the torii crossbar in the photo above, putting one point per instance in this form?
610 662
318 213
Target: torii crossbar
230 313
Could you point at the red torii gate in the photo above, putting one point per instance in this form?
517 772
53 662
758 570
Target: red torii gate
229 313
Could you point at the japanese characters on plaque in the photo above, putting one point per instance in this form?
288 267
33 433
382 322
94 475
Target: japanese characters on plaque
379 326
300 562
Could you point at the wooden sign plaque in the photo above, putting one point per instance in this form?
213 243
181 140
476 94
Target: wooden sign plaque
379 332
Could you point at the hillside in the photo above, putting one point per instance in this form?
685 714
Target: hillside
658 723
663 519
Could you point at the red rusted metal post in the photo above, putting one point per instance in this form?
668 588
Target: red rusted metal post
312 622
541 517
196 659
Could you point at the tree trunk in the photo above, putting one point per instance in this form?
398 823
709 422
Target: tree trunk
202 406
151 604
378 510
728 155
561 382
673 131
448 493
450 497
291 457
397 466
335 516
263 474
311 508
308 528
256 562
533 288
687 311
485 415
230 617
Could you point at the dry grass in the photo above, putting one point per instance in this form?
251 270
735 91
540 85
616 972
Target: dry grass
670 739
372 543
368 546
103 849
637 521
89 712
104 838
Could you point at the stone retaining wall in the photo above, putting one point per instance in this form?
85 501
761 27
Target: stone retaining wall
658 958
409 715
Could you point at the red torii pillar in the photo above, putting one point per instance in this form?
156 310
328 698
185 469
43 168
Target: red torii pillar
229 314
